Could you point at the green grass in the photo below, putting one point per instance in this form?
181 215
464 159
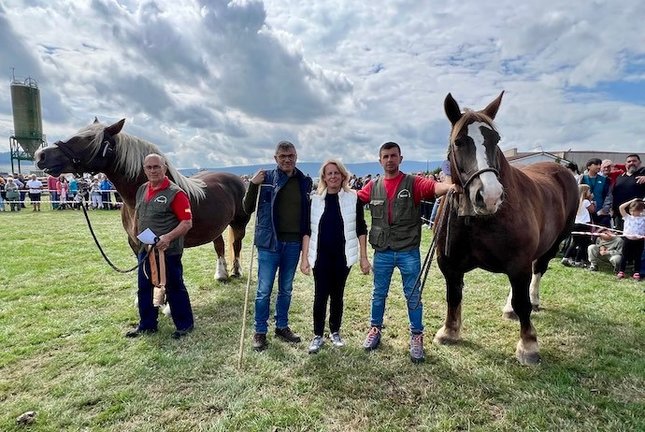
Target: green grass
63 313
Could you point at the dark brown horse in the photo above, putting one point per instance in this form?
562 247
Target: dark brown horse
506 220
216 198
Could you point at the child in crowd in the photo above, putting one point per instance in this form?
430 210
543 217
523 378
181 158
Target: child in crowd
633 213
576 254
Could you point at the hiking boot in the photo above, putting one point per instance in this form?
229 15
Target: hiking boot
336 340
287 335
567 262
593 267
260 341
620 275
316 343
417 354
138 331
373 339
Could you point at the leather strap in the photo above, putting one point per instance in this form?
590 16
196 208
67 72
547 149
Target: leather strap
157 273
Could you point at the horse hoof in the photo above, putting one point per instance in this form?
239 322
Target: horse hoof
510 315
446 337
528 358
236 275
221 277
535 307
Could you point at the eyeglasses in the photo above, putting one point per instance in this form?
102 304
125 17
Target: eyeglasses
152 167
284 157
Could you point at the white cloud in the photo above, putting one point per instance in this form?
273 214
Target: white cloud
219 82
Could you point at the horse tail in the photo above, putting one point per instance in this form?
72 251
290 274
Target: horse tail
230 238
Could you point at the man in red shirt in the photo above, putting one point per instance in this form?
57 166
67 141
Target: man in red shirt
395 235
164 208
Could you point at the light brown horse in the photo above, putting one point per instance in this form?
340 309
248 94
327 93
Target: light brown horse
506 221
215 197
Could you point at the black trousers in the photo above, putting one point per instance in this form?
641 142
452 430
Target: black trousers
329 283
632 252
579 243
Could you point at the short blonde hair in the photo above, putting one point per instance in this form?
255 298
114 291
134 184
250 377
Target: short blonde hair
322 184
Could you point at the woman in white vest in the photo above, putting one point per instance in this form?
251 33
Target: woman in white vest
337 237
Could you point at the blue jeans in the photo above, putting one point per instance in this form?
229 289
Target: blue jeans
286 260
409 264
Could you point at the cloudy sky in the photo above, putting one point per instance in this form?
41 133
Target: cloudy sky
217 83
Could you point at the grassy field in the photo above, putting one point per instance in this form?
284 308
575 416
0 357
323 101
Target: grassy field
63 313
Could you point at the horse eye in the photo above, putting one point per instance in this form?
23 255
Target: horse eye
460 141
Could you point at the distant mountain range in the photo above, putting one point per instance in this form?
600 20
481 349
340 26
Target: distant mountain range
311 168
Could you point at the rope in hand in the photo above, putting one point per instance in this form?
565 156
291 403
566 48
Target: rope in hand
442 214
89 225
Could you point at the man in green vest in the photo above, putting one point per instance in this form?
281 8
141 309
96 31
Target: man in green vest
164 208
395 235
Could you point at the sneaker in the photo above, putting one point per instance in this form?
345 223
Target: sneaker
287 335
336 340
566 262
578 264
138 331
373 339
417 353
260 341
637 276
593 267
620 275
316 343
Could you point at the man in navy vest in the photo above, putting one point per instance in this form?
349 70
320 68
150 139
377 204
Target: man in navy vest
282 221
395 235
164 208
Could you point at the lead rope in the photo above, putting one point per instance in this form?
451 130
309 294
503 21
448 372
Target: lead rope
98 245
425 269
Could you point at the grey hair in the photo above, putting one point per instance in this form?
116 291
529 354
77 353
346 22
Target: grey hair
284 146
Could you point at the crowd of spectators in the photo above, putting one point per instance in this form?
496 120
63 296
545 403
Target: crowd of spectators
610 216
66 191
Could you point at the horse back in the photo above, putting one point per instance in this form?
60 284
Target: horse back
553 192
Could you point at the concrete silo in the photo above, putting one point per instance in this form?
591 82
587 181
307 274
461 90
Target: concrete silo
27 121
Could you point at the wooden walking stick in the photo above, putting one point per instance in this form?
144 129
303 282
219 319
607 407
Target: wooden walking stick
248 284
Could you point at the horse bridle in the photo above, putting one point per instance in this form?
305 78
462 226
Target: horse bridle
474 175
106 152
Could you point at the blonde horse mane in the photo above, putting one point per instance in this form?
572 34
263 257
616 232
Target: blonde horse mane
130 153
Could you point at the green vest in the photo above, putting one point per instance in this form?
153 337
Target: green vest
405 231
157 215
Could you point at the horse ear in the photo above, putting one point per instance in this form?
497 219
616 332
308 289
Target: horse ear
96 120
115 128
451 107
491 109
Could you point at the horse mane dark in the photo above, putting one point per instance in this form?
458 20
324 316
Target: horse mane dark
470 116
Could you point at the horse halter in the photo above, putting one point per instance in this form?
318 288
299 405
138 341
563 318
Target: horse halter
106 152
472 176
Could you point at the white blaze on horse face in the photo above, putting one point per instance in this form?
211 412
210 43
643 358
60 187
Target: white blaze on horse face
491 189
